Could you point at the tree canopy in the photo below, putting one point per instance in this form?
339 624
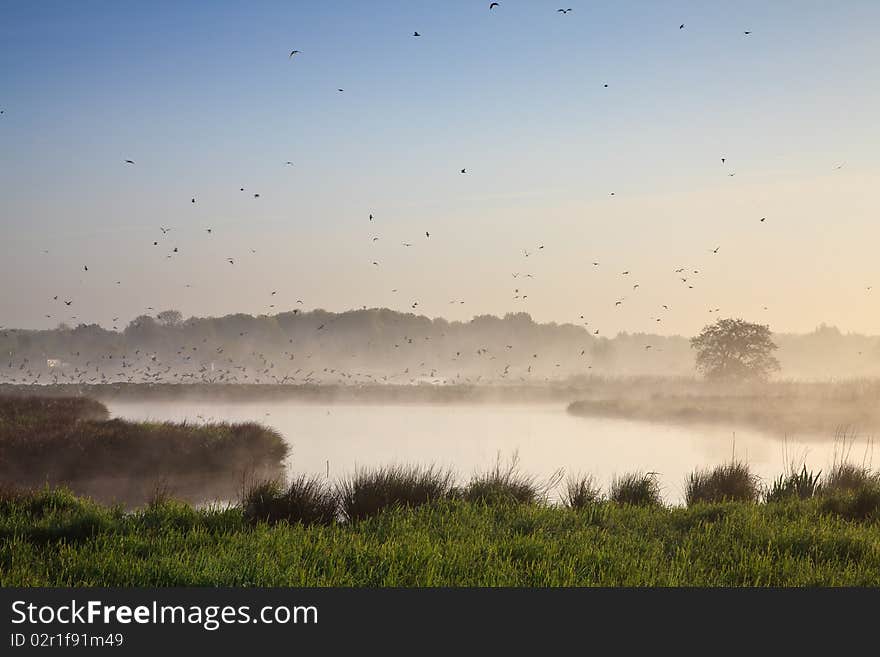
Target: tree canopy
735 350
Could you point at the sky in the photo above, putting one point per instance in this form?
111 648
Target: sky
205 99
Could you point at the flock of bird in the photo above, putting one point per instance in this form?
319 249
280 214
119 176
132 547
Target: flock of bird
207 361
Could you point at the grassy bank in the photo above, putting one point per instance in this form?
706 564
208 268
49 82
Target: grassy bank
53 538
802 414
71 441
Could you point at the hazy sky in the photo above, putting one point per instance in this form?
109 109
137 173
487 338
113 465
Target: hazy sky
203 97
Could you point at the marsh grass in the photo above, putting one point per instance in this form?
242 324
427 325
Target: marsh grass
581 491
70 442
306 499
636 489
849 477
370 491
506 483
861 504
730 482
802 485
52 538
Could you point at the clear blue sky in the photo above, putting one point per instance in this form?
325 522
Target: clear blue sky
205 99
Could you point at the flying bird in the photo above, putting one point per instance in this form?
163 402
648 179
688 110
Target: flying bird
563 11
492 5
416 34
292 53
129 161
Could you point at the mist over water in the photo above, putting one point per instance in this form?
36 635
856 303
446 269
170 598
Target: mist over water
470 437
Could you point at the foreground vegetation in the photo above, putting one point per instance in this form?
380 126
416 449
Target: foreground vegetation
411 526
71 442
58 540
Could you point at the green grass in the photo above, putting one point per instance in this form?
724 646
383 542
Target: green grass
51 538
731 482
636 489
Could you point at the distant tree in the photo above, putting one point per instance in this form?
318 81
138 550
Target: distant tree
170 317
735 350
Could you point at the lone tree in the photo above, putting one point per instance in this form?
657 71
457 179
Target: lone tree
170 317
735 350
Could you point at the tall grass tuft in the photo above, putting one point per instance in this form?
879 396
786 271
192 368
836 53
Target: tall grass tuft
505 484
731 482
848 477
801 485
369 492
636 489
306 500
859 504
581 491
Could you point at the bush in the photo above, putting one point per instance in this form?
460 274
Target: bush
732 482
636 489
580 492
505 484
795 485
308 500
369 492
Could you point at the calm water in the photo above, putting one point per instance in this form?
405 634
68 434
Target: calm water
470 437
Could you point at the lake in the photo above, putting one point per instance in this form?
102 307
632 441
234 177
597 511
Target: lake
470 437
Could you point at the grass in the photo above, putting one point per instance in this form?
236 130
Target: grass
731 482
801 485
848 477
777 408
307 500
369 492
581 491
52 538
636 489
506 483
70 441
